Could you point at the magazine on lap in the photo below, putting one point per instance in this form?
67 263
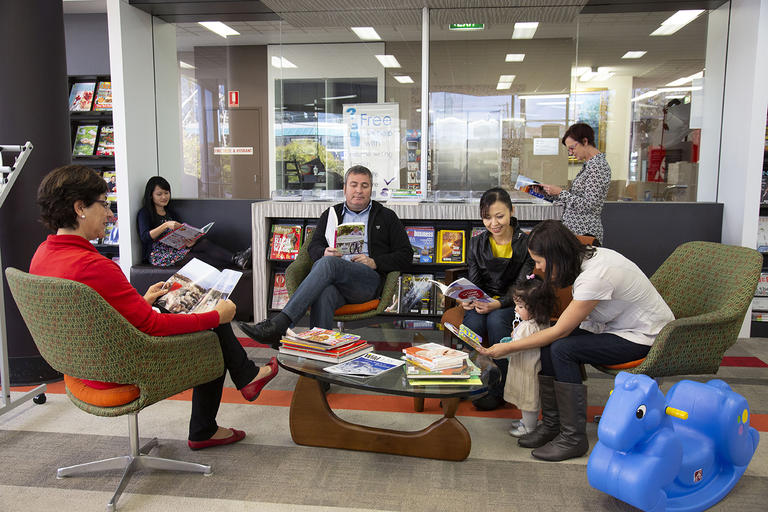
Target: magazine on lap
197 287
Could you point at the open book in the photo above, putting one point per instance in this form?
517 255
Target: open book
463 290
529 186
466 335
350 238
181 236
197 287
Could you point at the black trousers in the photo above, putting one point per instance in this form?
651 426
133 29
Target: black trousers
207 397
562 358
210 253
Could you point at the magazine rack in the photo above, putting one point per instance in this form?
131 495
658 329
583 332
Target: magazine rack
8 175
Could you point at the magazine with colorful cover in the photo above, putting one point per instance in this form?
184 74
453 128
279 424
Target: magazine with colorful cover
285 242
327 337
309 229
111 178
350 238
422 240
477 231
466 335
184 234
530 186
466 370
279 291
463 290
435 356
106 145
450 246
85 140
197 287
81 96
415 293
103 96
367 365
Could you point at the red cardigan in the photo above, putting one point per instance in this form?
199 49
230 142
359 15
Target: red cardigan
73 257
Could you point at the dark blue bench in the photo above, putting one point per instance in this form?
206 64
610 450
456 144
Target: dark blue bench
232 230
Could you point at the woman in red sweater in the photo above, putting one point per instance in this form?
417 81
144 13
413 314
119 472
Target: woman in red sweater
73 205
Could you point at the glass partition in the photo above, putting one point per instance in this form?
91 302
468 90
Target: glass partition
290 104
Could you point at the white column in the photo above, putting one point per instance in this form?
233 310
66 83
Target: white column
133 112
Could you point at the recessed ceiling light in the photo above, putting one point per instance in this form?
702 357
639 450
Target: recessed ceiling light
404 79
219 28
685 79
634 54
388 61
184 65
282 62
525 29
514 57
366 33
676 22
503 85
507 78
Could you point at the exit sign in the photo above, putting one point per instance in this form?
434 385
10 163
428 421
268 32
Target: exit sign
466 26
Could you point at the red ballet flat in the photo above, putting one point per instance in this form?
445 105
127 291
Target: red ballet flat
237 435
252 390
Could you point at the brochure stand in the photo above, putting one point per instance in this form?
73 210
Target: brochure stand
8 175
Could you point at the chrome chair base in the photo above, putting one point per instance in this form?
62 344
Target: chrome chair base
138 459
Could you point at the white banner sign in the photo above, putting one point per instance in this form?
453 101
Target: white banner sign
372 139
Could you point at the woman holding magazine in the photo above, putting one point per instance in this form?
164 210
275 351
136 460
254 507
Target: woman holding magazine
73 204
156 219
498 258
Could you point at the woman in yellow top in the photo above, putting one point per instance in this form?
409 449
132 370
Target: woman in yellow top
498 258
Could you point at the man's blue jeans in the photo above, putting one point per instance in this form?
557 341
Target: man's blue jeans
331 283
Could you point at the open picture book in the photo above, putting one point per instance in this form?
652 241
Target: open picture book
463 290
350 238
181 236
197 287
466 335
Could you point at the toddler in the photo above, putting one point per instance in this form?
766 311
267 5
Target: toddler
534 305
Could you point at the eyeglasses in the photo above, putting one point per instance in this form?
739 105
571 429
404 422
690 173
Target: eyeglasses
106 204
571 147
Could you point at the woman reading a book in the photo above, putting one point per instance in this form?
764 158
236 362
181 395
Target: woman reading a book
583 202
497 258
614 318
156 219
73 204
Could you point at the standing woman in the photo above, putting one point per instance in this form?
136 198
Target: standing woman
156 218
583 202
498 258
614 318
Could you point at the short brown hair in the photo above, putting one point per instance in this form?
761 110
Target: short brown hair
579 132
61 188
358 169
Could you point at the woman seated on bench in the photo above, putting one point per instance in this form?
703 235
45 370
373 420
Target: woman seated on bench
73 204
614 318
156 218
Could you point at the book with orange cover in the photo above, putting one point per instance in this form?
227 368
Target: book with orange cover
435 356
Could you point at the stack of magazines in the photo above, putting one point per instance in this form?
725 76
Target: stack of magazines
432 364
324 345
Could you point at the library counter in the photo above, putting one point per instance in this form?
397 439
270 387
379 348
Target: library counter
264 213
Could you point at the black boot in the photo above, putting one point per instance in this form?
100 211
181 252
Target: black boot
572 440
269 331
242 259
549 427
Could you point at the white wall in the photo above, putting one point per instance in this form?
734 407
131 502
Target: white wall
133 107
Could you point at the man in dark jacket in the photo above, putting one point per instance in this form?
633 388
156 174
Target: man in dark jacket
337 279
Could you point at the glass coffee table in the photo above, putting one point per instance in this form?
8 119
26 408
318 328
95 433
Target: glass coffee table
313 423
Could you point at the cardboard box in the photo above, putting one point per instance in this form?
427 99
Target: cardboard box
686 173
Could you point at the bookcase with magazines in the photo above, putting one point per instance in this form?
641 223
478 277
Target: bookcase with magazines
439 247
93 141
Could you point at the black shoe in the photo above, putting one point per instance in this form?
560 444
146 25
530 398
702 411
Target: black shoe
268 332
488 402
242 259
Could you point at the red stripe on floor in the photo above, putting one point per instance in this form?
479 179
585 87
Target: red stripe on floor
743 362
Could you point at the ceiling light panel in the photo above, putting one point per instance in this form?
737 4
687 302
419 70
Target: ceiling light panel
282 63
514 57
388 61
366 33
507 78
219 28
636 54
405 79
503 86
525 29
676 22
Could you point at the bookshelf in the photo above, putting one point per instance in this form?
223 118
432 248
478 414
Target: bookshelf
454 216
92 135
759 325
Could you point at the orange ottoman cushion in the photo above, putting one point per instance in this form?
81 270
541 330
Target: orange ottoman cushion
624 366
111 397
354 309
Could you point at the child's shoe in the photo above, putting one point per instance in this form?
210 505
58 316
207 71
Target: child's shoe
519 430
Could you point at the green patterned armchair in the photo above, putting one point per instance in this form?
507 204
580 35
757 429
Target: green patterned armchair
79 334
300 268
709 287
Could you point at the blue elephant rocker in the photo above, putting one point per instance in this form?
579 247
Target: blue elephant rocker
682 453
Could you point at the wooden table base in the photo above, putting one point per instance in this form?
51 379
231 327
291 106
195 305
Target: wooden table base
313 423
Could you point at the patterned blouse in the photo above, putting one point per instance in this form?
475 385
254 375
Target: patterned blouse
583 202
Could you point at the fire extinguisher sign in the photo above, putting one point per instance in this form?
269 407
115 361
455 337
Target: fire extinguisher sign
234 99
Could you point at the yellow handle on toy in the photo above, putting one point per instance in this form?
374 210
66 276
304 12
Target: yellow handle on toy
677 413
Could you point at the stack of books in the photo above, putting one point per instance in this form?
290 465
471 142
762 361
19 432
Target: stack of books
324 345
432 364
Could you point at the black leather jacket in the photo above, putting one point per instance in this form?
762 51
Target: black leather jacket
496 275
